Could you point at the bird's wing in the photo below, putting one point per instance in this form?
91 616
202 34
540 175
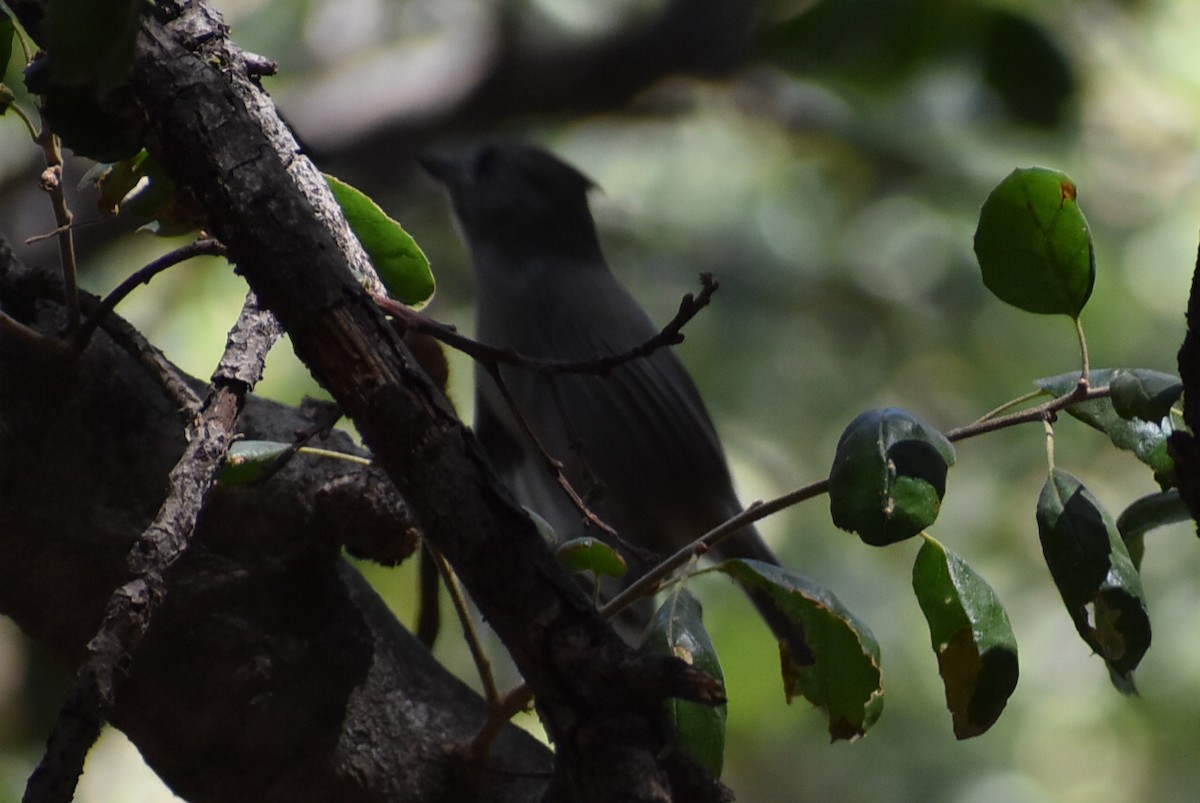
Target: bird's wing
669 473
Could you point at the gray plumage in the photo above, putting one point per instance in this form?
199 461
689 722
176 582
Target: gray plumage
637 443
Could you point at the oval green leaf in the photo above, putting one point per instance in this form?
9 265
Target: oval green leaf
677 628
1147 440
1148 395
246 461
7 32
591 555
971 635
1033 243
400 262
1146 514
844 677
1094 574
888 476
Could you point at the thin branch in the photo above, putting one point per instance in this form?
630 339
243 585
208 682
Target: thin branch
1080 393
51 182
131 607
491 358
669 335
651 581
482 665
555 465
499 713
204 246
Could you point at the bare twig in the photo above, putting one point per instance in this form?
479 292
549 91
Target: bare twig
131 607
52 183
491 358
482 665
135 344
669 335
205 246
554 464
1080 393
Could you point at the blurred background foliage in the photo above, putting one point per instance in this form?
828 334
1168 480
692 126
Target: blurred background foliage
826 161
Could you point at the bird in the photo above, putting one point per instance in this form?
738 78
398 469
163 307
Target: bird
637 443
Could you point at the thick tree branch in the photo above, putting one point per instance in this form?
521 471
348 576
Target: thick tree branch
272 671
204 122
1184 446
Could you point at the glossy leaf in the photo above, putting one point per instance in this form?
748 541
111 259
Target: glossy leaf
677 628
1033 243
591 555
1146 514
1147 440
971 635
844 678
543 527
7 33
246 461
1148 395
1094 574
400 262
888 476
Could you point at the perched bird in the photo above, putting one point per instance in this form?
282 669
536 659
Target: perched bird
637 443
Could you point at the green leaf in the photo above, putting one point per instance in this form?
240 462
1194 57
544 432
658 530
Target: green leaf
1033 243
888 476
1147 440
139 186
91 42
1148 395
971 634
1147 513
591 555
1094 574
543 527
677 628
246 461
400 262
844 677
7 32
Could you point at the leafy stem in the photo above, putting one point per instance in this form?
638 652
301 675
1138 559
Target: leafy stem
1083 349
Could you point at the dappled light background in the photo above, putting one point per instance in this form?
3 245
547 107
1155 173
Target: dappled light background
831 184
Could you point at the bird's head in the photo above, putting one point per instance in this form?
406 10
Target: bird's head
517 199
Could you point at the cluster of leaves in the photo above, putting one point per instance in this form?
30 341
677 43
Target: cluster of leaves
889 475
888 480
889 472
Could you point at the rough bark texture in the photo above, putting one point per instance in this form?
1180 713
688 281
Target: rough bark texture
1184 446
191 103
272 672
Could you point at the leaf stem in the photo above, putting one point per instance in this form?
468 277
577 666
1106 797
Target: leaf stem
350 458
651 581
1049 444
1083 349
